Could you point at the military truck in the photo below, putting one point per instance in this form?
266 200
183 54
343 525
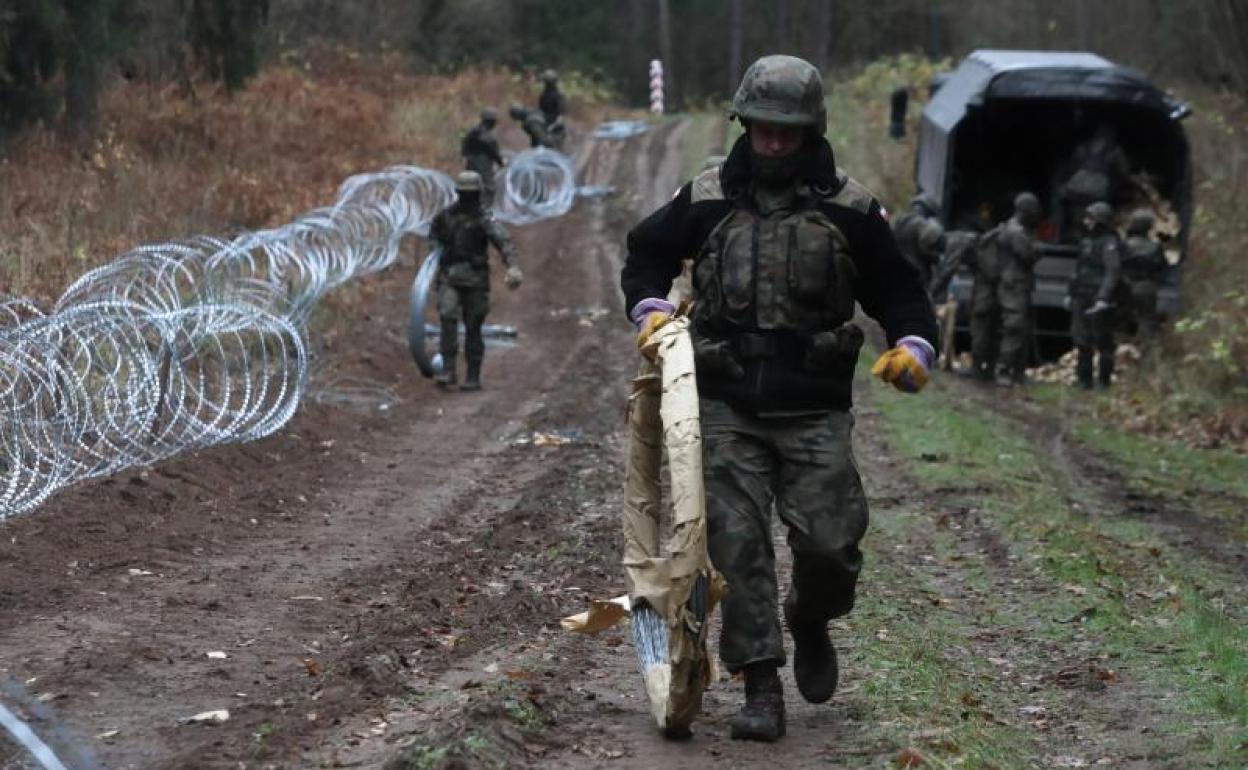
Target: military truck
1008 121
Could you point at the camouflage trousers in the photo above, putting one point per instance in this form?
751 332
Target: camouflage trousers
1000 323
1140 317
803 467
470 304
1089 333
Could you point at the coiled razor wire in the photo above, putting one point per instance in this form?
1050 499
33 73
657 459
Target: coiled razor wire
185 345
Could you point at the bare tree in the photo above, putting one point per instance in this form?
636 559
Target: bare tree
736 41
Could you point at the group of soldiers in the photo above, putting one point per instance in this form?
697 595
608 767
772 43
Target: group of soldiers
1115 283
465 231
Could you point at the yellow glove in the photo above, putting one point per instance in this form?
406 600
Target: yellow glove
653 322
903 367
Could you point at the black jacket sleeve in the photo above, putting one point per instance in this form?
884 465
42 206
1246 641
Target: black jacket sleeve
890 289
657 246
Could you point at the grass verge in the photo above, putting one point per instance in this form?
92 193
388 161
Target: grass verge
1169 627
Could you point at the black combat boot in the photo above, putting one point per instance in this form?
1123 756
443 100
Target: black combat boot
1083 368
762 716
1105 372
472 380
814 657
445 379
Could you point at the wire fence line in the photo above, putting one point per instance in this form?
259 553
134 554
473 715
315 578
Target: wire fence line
185 345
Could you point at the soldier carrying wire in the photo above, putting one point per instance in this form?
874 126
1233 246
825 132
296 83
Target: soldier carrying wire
783 245
465 231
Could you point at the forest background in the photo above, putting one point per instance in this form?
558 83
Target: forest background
126 120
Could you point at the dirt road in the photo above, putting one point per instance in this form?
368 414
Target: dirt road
382 588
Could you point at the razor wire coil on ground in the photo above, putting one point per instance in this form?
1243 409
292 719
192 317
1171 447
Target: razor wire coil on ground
185 345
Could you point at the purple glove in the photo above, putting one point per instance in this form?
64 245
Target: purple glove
646 307
923 352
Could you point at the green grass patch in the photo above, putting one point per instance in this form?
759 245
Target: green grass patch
923 691
1173 623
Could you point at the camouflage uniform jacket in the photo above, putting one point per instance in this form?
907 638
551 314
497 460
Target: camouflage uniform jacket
1098 269
921 240
465 236
1008 254
1144 259
535 127
480 151
775 289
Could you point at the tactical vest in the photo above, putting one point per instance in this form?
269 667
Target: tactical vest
988 257
1090 266
465 249
774 294
1144 259
788 272
1000 255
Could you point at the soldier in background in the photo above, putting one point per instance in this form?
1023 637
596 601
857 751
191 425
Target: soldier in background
1097 170
480 150
551 102
1097 273
1143 267
920 236
959 253
1001 299
532 124
464 232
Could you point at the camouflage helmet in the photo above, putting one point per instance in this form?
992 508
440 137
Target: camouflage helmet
489 115
1027 206
781 89
517 112
550 76
1100 213
925 201
1141 222
468 181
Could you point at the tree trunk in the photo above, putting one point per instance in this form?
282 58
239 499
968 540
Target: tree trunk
84 49
782 43
736 42
823 34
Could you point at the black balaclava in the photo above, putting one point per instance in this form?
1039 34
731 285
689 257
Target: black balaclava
470 200
775 172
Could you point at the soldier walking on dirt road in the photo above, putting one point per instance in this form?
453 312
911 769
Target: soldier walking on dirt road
784 245
480 150
1092 294
1001 297
465 231
532 124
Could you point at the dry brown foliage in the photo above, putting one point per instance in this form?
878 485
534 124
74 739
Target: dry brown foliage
170 165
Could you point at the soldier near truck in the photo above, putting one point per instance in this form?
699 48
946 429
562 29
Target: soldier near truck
1001 296
1092 295
1143 270
920 236
465 232
783 245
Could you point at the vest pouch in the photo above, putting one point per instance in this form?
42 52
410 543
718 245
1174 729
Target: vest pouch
821 275
714 360
834 352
